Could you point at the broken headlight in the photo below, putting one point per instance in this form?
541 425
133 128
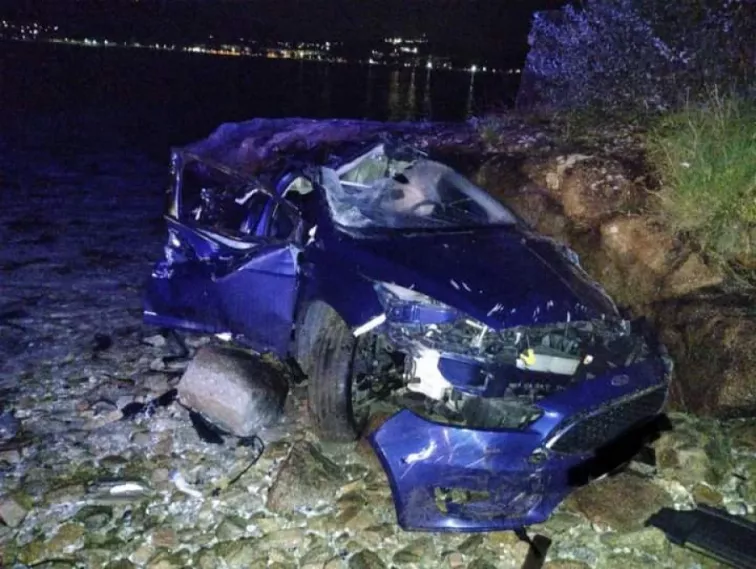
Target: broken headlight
417 318
442 347
406 306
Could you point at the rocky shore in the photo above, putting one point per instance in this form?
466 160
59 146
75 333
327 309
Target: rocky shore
82 485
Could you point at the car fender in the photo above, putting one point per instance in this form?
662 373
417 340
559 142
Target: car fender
347 292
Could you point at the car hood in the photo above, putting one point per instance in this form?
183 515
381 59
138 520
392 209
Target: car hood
501 276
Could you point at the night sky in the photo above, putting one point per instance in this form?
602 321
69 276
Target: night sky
492 28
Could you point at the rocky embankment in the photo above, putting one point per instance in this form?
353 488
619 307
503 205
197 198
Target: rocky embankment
594 191
82 485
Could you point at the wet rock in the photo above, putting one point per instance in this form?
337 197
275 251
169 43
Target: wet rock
558 523
164 537
68 538
238 554
206 559
97 559
282 539
566 564
748 489
703 494
454 560
306 479
639 498
121 564
515 547
649 540
167 560
335 563
156 341
366 560
628 561
230 528
11 512
743 435
65 494
482 563
317 554
471 544
688 466
11 456
415 552
233 389
94 517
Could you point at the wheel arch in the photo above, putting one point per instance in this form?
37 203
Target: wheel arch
351 296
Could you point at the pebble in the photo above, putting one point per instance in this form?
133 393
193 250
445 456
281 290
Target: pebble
11 512
156 341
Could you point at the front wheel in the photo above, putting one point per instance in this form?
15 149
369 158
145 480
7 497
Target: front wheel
330 367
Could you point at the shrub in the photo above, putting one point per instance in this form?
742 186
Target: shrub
649 54
706 159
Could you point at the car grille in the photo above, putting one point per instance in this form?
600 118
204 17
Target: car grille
600 427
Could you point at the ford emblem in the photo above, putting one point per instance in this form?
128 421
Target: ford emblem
620 380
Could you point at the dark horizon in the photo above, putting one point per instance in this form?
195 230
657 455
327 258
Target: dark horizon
465 28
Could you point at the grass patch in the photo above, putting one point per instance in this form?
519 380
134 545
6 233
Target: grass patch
705 156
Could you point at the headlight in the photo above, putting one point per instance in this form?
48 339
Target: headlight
413 316
406 306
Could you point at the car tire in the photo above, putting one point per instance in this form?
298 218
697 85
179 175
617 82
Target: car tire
330 365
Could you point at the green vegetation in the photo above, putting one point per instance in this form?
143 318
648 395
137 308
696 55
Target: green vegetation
705 156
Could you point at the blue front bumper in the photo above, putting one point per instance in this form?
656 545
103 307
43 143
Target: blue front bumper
450 478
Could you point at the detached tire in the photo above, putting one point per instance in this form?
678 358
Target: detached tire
330 367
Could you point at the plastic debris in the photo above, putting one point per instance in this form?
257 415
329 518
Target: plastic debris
183 486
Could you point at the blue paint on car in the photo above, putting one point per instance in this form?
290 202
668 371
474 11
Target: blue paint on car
511 351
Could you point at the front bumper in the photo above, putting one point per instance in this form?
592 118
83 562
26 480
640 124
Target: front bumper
450 478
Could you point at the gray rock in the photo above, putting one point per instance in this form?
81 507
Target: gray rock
156 341
11 512
306 479
366 560
11 456
415 552
623 502
94 517
9 425
471 544
649 540
233 389
166 560
230 528
239 554
482 563
121 564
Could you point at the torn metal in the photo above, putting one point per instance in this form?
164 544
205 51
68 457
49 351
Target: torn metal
501 364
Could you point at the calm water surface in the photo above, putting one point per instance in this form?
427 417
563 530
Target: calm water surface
151 100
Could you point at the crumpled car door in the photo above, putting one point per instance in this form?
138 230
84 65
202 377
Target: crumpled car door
226 270
210 283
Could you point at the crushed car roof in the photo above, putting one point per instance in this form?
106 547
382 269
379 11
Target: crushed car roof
266 146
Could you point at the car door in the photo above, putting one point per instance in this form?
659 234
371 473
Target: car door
230 262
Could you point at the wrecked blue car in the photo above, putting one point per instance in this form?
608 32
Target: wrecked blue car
406 293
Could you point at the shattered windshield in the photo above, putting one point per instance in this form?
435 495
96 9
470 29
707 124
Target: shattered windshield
379 192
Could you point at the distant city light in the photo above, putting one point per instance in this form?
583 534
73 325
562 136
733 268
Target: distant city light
395 52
